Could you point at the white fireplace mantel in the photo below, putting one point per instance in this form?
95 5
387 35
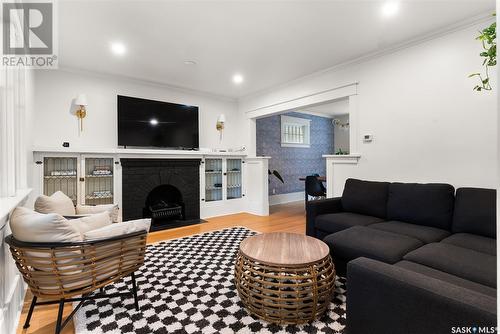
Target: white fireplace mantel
139 152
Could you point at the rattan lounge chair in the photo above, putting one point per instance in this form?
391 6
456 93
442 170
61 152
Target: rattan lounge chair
65 272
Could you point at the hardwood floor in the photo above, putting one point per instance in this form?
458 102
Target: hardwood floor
286 217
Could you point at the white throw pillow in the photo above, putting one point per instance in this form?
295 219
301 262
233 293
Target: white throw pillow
118 229
93 209
31 226
58 202
91 222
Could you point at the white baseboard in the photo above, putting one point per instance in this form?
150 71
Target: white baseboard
286 198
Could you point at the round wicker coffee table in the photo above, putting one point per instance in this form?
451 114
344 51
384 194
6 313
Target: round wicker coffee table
284 278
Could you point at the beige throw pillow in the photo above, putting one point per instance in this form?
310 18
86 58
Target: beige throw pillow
118 229
30 226
92 209
91 222
58 202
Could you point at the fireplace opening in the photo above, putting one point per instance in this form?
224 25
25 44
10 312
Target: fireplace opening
164 205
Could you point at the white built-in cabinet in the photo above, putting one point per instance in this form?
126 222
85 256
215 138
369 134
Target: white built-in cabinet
222 186
93 179
86 179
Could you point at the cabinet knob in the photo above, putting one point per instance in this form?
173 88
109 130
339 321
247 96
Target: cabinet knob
38 162
82 179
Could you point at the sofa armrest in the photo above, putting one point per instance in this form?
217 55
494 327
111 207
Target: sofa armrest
320 207
385 299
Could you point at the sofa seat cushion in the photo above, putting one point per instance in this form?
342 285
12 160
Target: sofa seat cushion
425 234
440 275
474 242
375 244
462 262
335 222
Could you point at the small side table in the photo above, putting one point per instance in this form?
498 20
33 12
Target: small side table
284 278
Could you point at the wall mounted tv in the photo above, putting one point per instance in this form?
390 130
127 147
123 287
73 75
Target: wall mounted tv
148 123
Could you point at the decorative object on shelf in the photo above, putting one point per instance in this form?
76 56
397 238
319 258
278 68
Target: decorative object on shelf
488 38
221 120
338 123
340 152
63 173
81 101
277 174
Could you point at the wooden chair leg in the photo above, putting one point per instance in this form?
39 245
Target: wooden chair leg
30 313
134 291
59 317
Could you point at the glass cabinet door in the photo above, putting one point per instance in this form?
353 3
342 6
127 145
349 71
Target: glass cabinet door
60 174
98 181
213 180
233 178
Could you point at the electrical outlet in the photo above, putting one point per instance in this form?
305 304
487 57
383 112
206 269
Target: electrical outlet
274 191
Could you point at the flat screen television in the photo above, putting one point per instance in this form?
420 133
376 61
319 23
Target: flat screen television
148 123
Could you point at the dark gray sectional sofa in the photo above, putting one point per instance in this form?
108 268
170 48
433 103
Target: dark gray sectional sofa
419 258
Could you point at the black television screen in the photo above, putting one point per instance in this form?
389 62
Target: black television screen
148 123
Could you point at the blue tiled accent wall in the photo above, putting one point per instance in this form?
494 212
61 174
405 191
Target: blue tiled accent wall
294 162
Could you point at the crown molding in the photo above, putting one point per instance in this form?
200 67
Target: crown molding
180 89
459 26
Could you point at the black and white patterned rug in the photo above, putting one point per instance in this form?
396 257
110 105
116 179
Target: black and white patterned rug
186 286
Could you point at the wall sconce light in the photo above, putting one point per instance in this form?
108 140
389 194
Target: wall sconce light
220 124
81 101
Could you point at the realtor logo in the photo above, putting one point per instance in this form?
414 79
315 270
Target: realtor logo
28 35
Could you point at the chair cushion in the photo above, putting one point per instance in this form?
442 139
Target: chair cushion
474 242
91 222
335 222
379 245
418 268
423 233
365 197
118 229
92 209
465 263
58 202
422 204
475 212
30 226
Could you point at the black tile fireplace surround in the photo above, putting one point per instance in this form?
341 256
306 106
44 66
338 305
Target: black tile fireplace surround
166 190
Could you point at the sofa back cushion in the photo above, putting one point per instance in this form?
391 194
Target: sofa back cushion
475 212
365 197
422 204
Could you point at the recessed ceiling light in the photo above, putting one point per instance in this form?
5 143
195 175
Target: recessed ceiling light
237 79
118 48
189 62
153 121
390 8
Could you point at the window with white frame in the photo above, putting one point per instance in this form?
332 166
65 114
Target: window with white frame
295 131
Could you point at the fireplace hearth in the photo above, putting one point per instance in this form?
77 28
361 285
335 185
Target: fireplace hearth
165 190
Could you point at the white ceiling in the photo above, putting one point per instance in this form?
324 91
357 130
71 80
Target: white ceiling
268 42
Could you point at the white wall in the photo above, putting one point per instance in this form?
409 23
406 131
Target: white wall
54 122
427 122
16 102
